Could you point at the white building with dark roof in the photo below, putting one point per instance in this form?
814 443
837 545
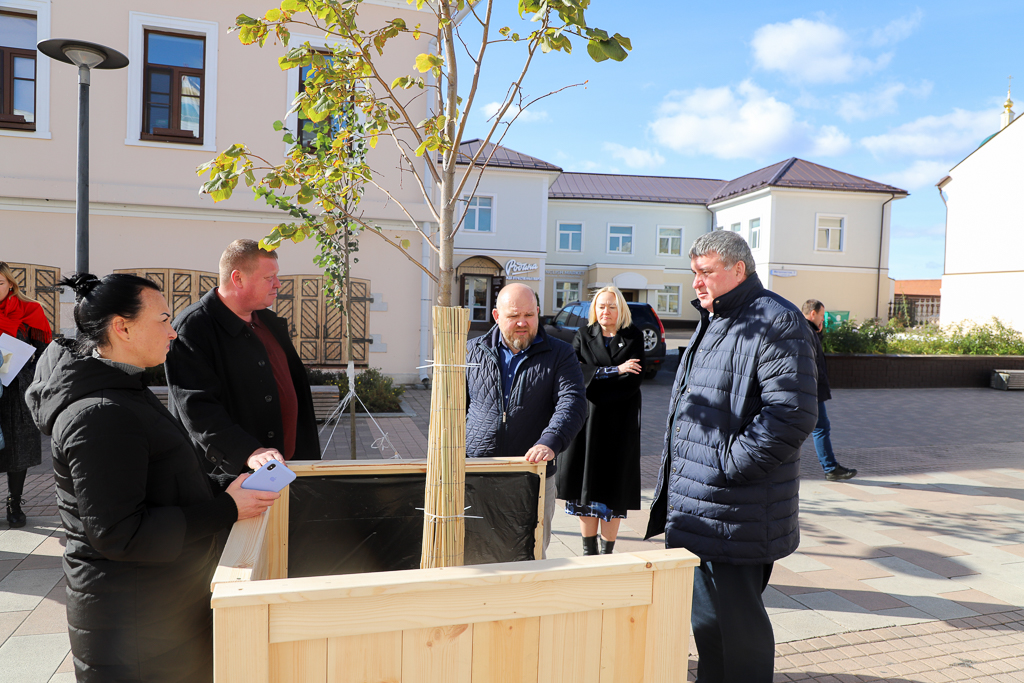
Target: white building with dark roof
815 233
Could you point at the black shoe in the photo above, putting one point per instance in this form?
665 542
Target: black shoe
840 473
606 547
15 517
590 545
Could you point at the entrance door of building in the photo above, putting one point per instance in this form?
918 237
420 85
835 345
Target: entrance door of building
317 327
477 295
181 287
629 294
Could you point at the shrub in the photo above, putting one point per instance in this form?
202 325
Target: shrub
846 337
375 389
961 339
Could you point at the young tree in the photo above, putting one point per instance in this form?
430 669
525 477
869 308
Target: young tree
319 185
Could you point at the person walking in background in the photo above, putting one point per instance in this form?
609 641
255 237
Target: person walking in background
814 311
24 319
742 403
141 516
526 394
599 473
235 379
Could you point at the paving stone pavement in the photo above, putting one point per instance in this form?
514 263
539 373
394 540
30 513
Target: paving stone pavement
911 572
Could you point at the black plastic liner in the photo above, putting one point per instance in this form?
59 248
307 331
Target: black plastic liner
369 523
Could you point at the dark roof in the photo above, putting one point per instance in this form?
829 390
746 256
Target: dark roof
801 174
635 188
503 157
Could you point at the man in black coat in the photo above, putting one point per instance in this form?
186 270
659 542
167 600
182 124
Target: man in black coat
235 380
814 311
526 394
742 404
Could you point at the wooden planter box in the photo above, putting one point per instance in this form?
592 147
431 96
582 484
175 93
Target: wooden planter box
598 619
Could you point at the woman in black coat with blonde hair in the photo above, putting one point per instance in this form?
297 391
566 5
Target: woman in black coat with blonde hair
141 516
599 474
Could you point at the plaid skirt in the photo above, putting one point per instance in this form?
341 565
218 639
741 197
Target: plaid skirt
594 509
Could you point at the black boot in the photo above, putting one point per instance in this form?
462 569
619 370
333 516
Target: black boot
16 486
15 517
590 545
606 547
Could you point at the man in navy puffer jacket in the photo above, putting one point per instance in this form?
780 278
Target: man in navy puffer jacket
743 401
526 393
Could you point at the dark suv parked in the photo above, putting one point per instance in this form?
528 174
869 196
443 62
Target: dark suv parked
574 316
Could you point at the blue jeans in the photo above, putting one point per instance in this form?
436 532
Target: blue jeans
823 441
735 640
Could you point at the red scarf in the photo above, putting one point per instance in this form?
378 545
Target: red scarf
14 313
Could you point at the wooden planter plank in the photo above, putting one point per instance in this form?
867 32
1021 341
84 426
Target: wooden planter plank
443 653
568 647
277 536
664 660
506 651
235 633
243 558
364 659
623 632
468 604
304 660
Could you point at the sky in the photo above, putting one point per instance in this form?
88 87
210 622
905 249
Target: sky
897 92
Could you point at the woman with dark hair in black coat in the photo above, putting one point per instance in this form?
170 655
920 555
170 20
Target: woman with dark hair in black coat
599 474
141 516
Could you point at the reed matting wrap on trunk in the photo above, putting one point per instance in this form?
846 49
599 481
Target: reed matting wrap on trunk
370 523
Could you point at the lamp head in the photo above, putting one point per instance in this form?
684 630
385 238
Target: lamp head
82 53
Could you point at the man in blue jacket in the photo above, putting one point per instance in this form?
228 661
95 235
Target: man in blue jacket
743 401
526 393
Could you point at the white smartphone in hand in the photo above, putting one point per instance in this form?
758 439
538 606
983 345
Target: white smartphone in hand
273 476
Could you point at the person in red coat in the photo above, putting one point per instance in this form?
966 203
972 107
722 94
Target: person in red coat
23 319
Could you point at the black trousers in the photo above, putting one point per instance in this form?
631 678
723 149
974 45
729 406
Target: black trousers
735 641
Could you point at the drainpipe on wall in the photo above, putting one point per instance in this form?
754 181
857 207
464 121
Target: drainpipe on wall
881 241
945 224
425 300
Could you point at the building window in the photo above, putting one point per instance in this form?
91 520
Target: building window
670 241
172 101
308 131
172 82
17 71
735 227
668 300
620 239
570 237
478 297
755 233
479 216
830 233
566 293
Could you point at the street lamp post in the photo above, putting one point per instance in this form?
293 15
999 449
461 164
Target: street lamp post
86 56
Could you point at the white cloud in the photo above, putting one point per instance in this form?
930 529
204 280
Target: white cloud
811 52
883 100
745 123
897 29
949 135
861 106
634 157
830 142
922 174
525 115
